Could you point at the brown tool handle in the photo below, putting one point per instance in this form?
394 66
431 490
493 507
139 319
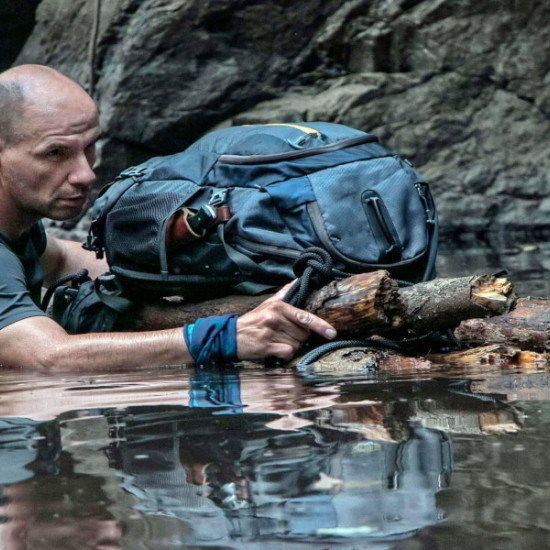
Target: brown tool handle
178 233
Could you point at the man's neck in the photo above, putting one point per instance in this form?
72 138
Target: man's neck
13 226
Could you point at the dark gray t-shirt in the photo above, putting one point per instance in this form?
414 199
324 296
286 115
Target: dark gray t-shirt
21 276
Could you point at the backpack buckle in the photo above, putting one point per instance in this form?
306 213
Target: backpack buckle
93 240
218 198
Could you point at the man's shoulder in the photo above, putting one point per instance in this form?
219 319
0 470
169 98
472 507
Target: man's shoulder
35 245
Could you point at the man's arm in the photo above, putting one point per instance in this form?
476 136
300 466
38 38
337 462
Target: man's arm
272 329
63 257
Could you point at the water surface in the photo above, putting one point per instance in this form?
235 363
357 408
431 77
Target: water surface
277 459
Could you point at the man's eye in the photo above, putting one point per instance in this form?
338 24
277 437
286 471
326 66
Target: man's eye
56 152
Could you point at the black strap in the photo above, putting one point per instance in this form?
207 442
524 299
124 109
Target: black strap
115 301
75 278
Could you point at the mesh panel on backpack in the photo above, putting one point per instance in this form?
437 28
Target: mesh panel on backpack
136 224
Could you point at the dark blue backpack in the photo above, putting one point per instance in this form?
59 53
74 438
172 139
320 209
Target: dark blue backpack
283 188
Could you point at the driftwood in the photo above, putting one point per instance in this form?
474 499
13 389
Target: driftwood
527 326
492 354
368 362
446 302
363 304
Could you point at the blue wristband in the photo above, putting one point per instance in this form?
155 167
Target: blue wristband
212 339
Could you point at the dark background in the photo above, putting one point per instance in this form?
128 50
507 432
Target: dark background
459 87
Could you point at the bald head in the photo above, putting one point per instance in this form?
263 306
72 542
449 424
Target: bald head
32 85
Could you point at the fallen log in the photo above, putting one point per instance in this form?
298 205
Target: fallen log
359 305
527 326
494 354
374 363
365 361
446 302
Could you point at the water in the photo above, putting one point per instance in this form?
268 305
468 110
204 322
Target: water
526 258
251 458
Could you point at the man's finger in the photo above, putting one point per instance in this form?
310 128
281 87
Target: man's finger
309 321
283 351
294 331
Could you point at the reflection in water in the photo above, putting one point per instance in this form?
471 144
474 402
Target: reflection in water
230 476
56 509
362 468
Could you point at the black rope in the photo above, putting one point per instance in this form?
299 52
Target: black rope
317 353
454 343
313 269
74 278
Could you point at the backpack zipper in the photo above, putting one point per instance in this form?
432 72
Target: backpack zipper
270 249
379 222
305 129
292 155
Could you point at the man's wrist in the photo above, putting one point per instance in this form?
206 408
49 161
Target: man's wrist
212 340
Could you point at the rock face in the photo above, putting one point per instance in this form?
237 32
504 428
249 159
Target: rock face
18 19
459 87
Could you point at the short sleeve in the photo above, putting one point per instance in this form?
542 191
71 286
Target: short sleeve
15 298
39 238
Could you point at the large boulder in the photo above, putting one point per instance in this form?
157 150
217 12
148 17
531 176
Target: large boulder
459 88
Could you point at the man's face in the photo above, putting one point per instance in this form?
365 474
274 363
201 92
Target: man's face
48 173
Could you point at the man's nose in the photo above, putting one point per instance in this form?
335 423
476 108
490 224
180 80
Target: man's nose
82 173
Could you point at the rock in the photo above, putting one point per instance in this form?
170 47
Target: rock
18 18
459 88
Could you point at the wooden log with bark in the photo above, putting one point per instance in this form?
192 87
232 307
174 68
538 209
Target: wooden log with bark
526 326
365 361
359 305
443 303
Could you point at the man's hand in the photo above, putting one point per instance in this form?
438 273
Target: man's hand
276 329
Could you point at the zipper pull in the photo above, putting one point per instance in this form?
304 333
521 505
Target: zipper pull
422 193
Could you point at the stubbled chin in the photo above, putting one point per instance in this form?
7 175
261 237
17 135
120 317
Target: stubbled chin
65 213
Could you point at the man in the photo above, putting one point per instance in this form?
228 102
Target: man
48 129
